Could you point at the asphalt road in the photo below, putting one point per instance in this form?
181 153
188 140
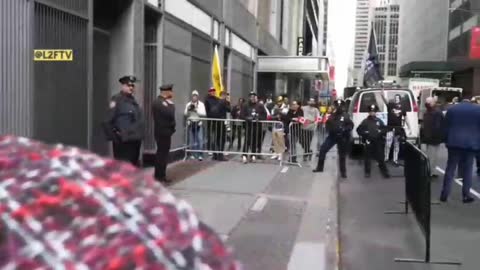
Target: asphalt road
371 239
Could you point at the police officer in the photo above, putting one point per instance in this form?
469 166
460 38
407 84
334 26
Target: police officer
372 131
125 124
339 127
164 121
252 113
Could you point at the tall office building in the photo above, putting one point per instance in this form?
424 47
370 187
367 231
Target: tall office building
324 20
362 30
463 51
385 27
422 48
169 41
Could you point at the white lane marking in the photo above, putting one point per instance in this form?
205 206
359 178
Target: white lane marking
459 182
284 170
473 191
442 171
259 204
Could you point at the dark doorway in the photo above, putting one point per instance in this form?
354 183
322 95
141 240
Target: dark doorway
105 19
101 63
152 20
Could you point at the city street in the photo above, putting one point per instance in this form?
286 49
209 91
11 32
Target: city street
284 217
372 239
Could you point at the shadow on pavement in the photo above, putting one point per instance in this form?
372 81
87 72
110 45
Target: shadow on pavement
370 239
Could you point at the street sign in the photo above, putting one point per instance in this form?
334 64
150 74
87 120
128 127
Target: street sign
300 46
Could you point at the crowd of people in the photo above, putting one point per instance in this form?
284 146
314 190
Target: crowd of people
243 126
214 125
459 129
214 122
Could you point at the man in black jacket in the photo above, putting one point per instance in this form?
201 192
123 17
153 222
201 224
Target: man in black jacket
163 111
432 132
217 109
339 128
372 131
252 113
125 123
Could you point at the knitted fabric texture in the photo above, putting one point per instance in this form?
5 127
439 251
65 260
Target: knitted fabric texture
65 208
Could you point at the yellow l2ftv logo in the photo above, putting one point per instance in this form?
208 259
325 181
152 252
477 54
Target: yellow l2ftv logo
53 55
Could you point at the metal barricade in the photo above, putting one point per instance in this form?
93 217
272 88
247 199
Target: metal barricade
221 137
304 141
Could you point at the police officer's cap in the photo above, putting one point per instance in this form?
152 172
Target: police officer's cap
127 79
373 108
339 103
166 87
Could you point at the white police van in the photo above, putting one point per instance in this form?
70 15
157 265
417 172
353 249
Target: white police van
362 99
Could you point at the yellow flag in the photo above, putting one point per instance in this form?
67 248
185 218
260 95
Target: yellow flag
217 73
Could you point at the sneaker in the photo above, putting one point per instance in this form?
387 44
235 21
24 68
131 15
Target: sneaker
253 159
274 157
192 157
468 200
200 158
244 160
280 157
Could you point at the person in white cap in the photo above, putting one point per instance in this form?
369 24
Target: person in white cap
194 110
432 131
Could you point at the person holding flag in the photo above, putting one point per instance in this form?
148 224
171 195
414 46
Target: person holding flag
217 80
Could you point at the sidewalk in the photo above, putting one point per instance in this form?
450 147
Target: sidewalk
274 217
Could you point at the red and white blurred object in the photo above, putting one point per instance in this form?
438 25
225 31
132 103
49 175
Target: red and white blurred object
65 208
332 73
475 43
334 94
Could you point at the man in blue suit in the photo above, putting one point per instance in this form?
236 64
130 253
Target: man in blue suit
462 138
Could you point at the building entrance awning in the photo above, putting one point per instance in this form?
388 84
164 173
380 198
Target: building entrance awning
305 67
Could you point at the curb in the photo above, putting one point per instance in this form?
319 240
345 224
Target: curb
333 251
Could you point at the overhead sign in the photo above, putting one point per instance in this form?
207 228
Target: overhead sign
300 46
475 43
418 84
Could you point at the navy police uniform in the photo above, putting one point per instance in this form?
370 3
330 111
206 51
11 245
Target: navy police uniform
339 127
125 124
372 130
164 126
252 113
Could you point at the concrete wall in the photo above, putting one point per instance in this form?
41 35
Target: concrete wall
241 21
213 7
268 44
423 38
121 49
187 56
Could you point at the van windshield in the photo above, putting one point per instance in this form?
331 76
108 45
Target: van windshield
404 99
444 97
375 97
